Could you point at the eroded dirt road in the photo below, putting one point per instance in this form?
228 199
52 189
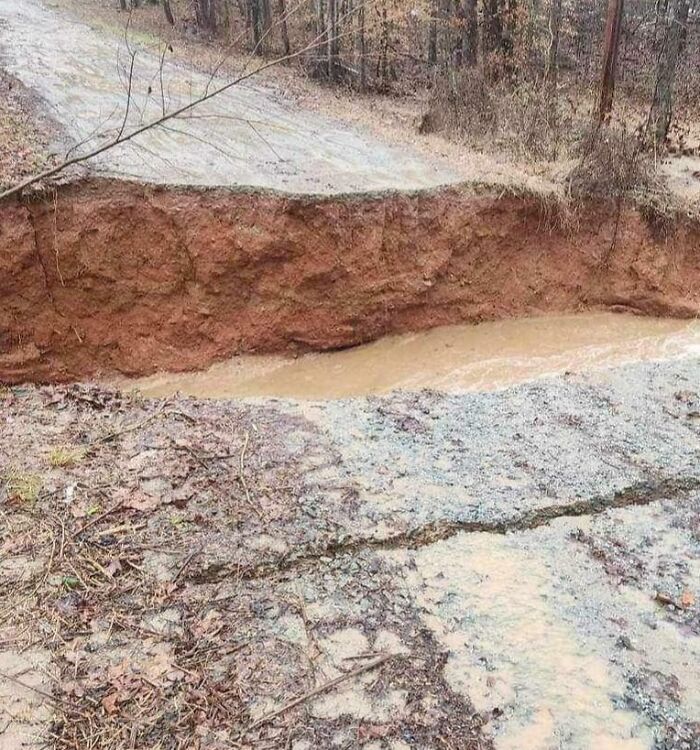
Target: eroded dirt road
248 136
514 570
527 560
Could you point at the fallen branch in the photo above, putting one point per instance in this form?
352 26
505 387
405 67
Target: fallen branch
184 565
97 519
241 478
317 691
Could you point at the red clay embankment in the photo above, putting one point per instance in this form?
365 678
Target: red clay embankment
112 276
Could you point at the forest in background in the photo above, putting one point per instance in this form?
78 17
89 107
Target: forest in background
538 69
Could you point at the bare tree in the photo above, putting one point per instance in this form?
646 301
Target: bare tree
205 12
363 46
255 20
470 32
613 30
662 103
333 43
492 33
168 12
552 73
284 31
433 33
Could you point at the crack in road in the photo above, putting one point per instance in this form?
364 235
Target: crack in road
638 494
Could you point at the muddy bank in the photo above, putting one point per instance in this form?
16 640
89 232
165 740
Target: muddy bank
106 276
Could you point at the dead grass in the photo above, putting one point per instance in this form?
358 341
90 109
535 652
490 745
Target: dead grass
612 163
65 456
521 119
21 485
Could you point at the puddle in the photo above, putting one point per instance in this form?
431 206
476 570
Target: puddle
486 356
543 684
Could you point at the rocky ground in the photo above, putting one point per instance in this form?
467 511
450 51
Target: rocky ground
515 569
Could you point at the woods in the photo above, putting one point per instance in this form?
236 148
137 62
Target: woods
542 60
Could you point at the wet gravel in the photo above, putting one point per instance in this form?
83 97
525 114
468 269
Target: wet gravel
529 559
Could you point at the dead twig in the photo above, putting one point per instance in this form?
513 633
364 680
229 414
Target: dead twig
97 519
267 718
241 477
39 691
132 427
184 565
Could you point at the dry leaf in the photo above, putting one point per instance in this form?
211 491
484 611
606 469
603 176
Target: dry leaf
110 703
142 501
687 599
373 731
113 568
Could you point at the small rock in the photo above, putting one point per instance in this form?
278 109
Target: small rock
624 642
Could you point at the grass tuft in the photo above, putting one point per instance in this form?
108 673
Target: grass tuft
64 456
22 485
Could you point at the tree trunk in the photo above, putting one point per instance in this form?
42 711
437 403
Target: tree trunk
661 10
205 13
284 30
383 61
493 27
332 33
210 15
470 33
662 102
168 12
255 12
533 12
511 35
320 18
266 15
613 29
433 32
363 48
553 51
122 5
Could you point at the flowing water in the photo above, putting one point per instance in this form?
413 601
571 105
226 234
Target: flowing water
486 356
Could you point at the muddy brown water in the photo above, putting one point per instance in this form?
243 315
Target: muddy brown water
486 356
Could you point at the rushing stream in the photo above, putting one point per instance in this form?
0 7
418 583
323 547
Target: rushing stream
486 356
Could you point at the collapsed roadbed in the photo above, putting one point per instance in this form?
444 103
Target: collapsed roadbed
103 276
514 569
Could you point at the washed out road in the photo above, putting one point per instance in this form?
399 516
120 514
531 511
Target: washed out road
249 136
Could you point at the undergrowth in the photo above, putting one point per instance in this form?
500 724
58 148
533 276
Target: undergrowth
524 119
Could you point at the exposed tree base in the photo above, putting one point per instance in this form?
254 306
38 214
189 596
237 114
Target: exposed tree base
118 277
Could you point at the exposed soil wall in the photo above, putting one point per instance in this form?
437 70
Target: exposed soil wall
110 276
